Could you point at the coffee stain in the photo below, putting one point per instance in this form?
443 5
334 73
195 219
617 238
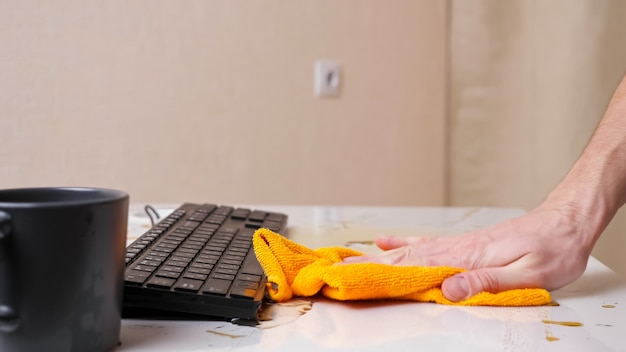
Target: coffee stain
562 323
547 330
552 338
219 333
608 306
360 236
149 326
275 314
468 214
353 243
547 322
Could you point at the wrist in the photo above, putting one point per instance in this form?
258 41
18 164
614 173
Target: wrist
585 205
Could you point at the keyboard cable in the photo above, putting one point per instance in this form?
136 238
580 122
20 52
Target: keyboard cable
152 214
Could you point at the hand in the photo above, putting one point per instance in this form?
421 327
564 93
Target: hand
542 249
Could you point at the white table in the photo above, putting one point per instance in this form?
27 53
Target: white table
597 300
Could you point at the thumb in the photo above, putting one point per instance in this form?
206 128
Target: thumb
467 284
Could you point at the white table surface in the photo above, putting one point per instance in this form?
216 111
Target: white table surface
597 300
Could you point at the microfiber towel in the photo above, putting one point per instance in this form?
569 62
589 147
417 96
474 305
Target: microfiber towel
295 270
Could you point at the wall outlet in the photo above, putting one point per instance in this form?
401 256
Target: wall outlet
327 78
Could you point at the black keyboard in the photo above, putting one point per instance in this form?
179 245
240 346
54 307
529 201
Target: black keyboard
200 260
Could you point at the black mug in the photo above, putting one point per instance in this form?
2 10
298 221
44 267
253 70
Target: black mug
61 268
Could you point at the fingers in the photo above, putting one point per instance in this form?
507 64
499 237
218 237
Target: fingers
392 242
494 280
398 251
399 256
422 251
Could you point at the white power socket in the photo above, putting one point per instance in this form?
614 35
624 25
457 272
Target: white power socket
327 78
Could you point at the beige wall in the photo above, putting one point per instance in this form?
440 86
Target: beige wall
529 82
213 100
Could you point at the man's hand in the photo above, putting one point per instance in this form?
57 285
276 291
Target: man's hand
542 249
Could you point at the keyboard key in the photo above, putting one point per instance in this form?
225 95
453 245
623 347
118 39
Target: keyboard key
238 258
209 256
160 282
244 289
272 225
240 213
198 216
216 287
246 234
154 258
200 237
164 250
223 210
174 269
178 258
257 215
147 268
214 246
208 227
231 262
228 230
253 225
157 254
176 263
170 274
222 265
180 234
226 271
136 277
191 248
217 254
251 266
238 251
219 242
195 276
150 262
215 219
276 217
249 277
193 244
182 254
201 265
223 276
208 208
199 271
211 261
224 235
243 242
168 244
191 225
188 285
240 247
139 247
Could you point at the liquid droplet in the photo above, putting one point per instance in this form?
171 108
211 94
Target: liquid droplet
563 323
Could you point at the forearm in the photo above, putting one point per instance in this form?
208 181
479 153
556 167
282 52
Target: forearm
595 187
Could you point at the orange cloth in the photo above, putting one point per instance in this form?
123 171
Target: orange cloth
294 270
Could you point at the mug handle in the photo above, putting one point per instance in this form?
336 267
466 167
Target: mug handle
9 320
